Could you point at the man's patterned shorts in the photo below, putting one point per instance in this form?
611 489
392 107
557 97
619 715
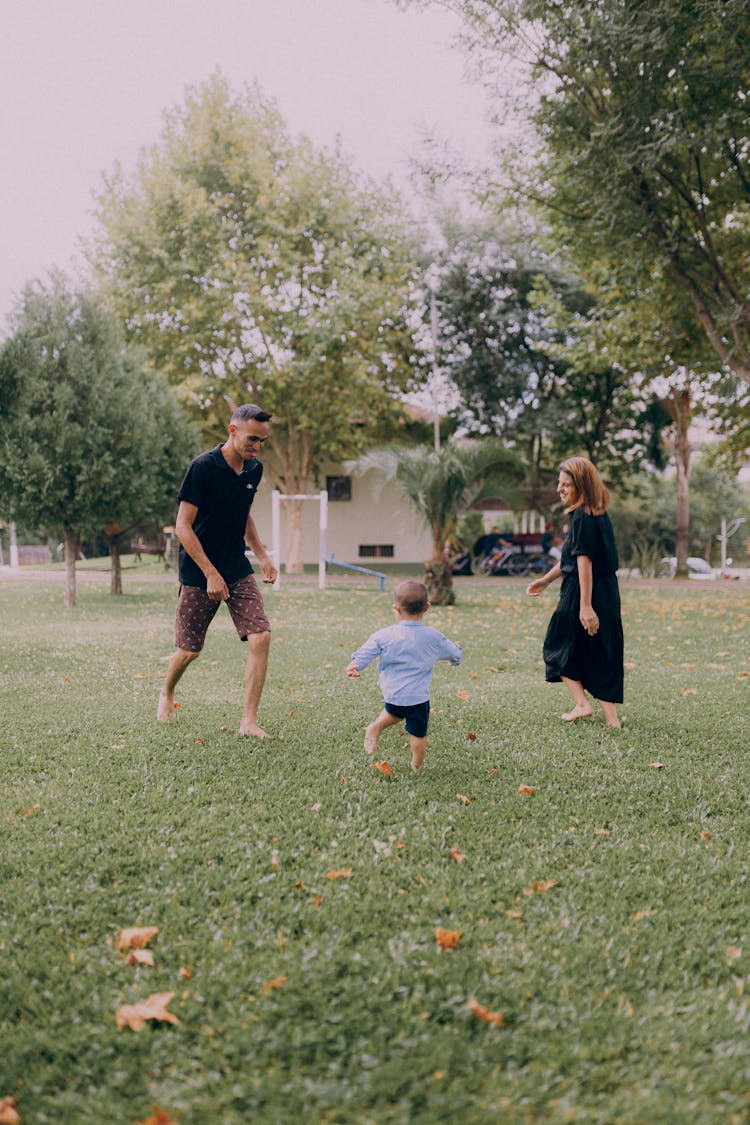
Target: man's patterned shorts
195 612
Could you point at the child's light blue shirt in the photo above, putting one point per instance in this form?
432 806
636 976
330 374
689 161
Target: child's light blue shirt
407 653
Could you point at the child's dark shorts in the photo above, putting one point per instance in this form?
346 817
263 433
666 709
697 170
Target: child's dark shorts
195 612
417 716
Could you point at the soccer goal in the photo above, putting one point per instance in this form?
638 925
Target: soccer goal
322 499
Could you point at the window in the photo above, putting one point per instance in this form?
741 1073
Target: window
376 550
339 488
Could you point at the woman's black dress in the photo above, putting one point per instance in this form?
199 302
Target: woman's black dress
596 662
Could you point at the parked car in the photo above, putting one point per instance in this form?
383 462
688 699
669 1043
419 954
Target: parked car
697 568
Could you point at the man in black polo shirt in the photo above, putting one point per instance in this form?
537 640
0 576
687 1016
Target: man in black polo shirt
214 527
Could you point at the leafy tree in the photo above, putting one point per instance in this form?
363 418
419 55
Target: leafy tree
440 484
89 439
253 267
641 115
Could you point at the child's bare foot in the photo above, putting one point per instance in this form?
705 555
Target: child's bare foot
371 739
165 710
252 729
417 760
578 712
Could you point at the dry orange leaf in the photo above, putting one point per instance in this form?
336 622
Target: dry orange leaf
540 887
344 873
139 675
462 694
656 765
222 729
492 772
272 985
457 855
470 736
159 1117
383 768
705 835
8 1113
732 954
601 832
139 957
447 939
186 972
462 799
514 914
199 741
137 937
526 790
482 1013
154 1007
316 900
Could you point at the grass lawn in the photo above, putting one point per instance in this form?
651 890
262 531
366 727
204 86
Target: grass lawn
297 891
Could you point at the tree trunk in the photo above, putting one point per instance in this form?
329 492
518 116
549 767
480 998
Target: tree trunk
681 414
115 573
438 578
71 553
294 563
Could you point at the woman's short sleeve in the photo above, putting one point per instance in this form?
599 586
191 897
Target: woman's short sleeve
582 534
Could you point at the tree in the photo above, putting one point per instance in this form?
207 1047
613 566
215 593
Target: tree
253 267
440 484
641 115
511 331
88 439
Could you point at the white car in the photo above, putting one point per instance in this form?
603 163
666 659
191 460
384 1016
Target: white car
697 568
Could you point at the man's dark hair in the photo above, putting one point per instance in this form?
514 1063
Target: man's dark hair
250 412
411 597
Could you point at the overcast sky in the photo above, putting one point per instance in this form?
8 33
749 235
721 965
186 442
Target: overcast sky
84 83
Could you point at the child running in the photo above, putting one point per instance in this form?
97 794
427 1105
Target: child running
408 651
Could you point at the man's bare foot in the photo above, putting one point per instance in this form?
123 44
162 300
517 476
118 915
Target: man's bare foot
165 710
371 739
578 712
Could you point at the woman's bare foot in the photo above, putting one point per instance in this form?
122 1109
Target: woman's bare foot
371 739
578 712
165 710
252 729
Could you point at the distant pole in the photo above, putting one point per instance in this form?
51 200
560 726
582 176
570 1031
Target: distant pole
435 410
13 545
323 540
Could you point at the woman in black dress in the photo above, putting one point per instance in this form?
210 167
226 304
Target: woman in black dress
584 646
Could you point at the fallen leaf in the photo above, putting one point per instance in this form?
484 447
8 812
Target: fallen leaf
491 668
382 767
526 789
316 900
186 972
154 1007
199 741
732 954
482 1013
457 855
470 736
343 874
137 937
447 939
657 765
630 666
462 799
400 844
272 985
139 957
177 706
705 835
222 729
36 807
641 914
139 675
462 694
317 806
8 1114
601 832
540 887
158 1117
492 772
690 691
514 914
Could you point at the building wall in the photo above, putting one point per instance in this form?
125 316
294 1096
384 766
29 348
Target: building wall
376 516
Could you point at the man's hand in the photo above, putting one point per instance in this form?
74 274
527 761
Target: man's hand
270 573
216 587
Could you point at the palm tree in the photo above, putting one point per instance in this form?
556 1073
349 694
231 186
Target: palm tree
440 484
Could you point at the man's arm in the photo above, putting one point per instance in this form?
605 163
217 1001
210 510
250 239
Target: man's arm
255 543
216 587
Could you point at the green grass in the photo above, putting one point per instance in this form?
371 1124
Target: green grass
624 986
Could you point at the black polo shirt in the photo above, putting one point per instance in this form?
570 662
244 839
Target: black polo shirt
223 499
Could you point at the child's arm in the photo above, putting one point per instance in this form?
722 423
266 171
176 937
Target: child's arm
363 656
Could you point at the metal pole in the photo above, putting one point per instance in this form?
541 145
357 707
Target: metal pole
323 540
435 410
276 535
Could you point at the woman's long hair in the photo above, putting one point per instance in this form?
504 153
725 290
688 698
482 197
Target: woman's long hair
592 493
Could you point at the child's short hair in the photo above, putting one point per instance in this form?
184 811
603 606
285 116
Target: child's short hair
411 596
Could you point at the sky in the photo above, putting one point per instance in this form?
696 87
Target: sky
84 85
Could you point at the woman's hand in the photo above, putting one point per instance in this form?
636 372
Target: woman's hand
536 587
589 620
